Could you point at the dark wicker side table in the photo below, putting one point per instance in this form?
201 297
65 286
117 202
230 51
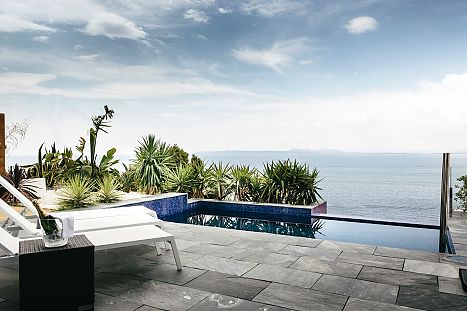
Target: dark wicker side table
56 278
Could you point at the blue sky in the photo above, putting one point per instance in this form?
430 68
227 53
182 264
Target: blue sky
363 75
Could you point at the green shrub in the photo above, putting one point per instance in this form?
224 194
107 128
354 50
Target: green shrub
461 194
152 163
127 181
76 193
181 179
108 190
290 182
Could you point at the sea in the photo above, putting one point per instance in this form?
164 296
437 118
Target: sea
390 186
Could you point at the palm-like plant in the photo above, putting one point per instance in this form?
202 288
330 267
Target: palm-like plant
76 193
127 179
181 179
152 163
17 177
201 177
108 190
241 178
290 183
220 180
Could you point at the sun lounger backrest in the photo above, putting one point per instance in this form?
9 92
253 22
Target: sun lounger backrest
8 242
25 201
18 219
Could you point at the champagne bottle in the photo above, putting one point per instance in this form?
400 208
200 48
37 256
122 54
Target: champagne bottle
48 222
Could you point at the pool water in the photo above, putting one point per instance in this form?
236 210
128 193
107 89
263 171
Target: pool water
425 239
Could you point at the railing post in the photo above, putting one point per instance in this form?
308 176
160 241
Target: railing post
444 202
2 144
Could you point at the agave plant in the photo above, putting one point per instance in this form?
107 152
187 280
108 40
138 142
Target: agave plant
152 163
76 193
17 177
220 180
290 183
108 190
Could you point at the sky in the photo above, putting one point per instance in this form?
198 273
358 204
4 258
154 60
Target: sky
361 75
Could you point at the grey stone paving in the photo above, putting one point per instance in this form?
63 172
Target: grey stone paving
165 296
372 260
430 300
245 271
357 288
451 286
228 284
348 247
220 264
255 244
220 302
283 275
300 299
406 254
458 229
262 256
167 273
438 269
354 304
327 254
110 303
400 278
327 266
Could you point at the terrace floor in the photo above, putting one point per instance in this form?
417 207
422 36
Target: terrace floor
242 270
458 229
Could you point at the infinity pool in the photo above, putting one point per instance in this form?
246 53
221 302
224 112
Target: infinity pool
425 239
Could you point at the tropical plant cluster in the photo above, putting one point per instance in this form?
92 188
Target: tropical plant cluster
157 167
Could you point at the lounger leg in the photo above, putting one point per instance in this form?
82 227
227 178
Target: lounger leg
175 252
158 249
166 245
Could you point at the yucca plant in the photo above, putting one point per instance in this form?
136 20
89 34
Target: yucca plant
256 187
181 179
201 177
220 180
17 177
127 179
290 182
241 178
108 190
76 193
152 163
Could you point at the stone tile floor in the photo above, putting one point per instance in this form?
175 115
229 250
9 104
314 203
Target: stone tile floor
458 229
238 270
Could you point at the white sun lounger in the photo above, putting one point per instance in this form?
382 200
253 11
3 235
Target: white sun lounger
109 239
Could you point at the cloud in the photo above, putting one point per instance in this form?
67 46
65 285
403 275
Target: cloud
42 39
87 58
277 57
78 47
196 16
224 10
269 8
199 36
16 24
361 24
113 26
21 82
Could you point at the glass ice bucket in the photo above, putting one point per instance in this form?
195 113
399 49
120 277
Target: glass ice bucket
53 238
